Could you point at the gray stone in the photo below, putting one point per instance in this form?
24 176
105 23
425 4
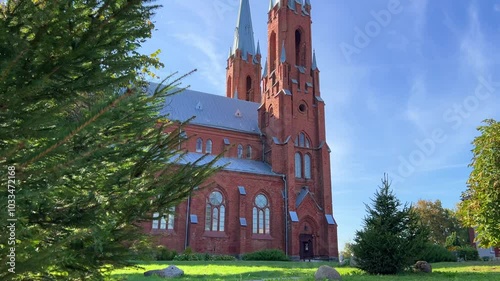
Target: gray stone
328 273
169 272
423 266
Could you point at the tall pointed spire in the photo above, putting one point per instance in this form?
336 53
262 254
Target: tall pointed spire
283 52
314 65
243 35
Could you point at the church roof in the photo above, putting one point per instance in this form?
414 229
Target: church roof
231 164
212 111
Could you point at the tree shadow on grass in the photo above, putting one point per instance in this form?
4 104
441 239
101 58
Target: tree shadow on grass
254 275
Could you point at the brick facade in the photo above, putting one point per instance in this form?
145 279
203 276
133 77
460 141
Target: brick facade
291 141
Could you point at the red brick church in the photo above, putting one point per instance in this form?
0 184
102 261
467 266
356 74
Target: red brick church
275 190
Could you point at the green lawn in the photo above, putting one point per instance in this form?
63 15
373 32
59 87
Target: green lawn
242 270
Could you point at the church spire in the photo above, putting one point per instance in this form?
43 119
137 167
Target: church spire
314 65
264 72
243 35
256 57
283 53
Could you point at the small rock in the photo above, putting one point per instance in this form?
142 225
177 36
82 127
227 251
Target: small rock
423 266
327 272
169 272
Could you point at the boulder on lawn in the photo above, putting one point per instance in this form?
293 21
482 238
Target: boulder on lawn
423 266
169 272
327 272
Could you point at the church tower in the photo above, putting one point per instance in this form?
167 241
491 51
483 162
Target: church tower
292 119
243 65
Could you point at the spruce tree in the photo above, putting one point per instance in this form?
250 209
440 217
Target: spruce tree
392 237
82 137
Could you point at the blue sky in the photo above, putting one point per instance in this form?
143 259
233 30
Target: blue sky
404 97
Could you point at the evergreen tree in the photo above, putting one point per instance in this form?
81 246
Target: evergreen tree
392 237
82 137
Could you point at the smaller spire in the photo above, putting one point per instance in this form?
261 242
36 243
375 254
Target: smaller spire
283 52
314 65
255 60
304 10
235 96
264 73
230 52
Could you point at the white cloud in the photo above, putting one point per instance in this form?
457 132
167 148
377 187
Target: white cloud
473 44
419 9
418 96
209 63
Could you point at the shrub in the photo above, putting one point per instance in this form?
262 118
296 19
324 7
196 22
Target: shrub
189 257
222 258
164 254
436 253
142 250
467 253
266 255
203 257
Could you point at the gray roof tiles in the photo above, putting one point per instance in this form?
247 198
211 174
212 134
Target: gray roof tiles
213 111
231 164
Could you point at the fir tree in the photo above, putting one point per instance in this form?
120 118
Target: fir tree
92 155
392 237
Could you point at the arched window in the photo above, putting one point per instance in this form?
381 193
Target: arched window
272 52
307 166
298 165
298 40
261 215
240 151
208 148
215 212
249 152
302 141
199 145
249 88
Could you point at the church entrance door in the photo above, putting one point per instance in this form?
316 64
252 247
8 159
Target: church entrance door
306 246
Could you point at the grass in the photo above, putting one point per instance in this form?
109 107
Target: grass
304 271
